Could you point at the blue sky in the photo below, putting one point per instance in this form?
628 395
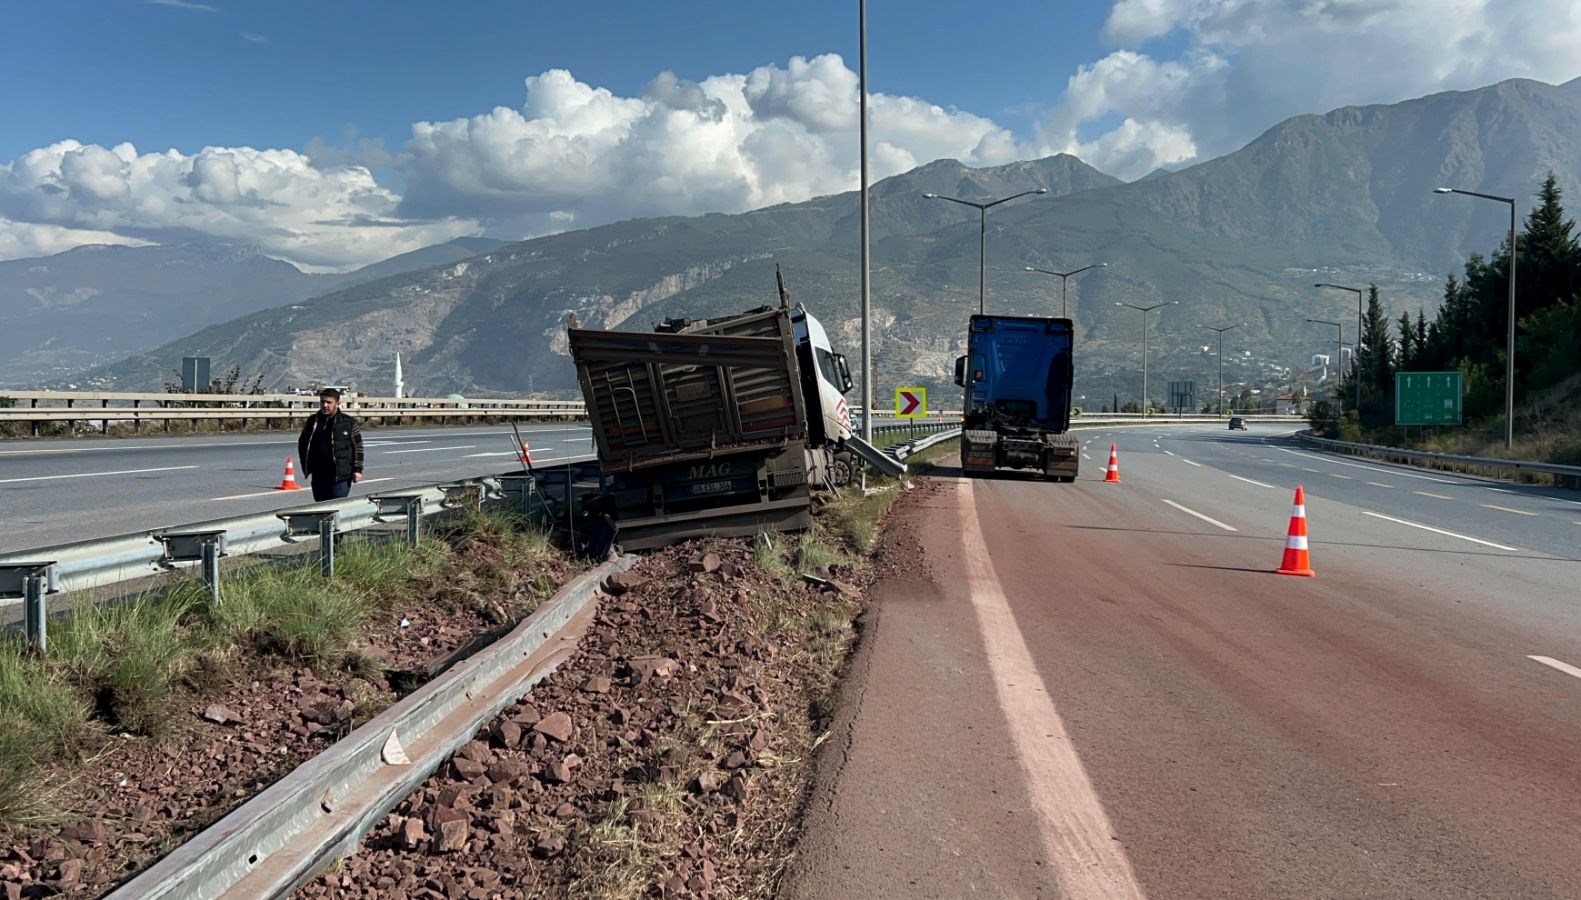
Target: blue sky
339 132
185 76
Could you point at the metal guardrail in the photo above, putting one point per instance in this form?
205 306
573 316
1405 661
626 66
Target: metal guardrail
281 838
31 576
1569 475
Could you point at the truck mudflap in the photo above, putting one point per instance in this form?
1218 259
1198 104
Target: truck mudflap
979 451
1063 457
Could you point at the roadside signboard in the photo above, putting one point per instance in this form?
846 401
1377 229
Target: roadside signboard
911 403
1427 398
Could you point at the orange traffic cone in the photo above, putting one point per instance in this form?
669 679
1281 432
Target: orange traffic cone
1112 474
1297 560
289 482
526 455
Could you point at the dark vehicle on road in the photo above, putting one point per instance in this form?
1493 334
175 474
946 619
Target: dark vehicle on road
1237 423
1017 373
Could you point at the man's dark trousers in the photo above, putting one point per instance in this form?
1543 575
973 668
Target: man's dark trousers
325 487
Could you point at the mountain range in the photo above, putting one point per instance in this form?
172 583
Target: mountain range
1341 197
96 304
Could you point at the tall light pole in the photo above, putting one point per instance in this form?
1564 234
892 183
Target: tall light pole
1339 351
1355 357
1145 310
982 239
867 295
1063 277
1509 350
1221 360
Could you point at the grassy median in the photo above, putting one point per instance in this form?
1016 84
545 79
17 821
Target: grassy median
120 667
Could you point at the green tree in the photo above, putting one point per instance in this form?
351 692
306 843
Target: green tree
1375 363
1407 341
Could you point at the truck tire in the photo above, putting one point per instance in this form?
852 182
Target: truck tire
843 468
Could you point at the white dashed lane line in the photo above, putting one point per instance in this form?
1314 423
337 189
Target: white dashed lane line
1249 481
1463 537
1192 512
1518 512
94 474
1552 663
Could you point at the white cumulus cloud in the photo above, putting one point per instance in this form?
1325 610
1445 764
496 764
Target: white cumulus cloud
578 153
1249 64
274 199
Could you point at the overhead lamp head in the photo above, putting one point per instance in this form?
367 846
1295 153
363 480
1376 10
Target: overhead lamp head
1443 190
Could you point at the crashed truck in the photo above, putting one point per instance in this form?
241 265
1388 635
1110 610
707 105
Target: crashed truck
722 426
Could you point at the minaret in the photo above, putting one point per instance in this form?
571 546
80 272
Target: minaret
399 383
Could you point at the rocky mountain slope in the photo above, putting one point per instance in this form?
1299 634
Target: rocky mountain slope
1344 197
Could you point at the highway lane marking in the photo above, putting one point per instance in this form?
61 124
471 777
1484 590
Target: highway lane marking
1077 835
1338 475
1313 471
1192 512
430 449
1556 664
1380 484
278 492
1084 455
1352 465
1503 490
1167 453
1249 481
94 474
1436 496
1518 512
1288 465
1440 531
1190 463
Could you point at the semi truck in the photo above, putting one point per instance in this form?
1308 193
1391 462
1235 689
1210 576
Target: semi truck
721 426
1017 375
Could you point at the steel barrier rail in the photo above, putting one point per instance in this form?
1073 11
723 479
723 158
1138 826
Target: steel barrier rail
308 399
125 414
105 562
1428 459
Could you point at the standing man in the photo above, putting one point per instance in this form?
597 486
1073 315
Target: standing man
330 449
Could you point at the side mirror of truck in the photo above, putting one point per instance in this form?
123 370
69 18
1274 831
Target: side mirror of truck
960 371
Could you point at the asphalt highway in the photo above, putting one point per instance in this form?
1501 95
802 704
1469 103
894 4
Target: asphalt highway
53 492
1101 690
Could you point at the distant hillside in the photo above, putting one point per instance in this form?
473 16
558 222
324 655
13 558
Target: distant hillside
1344 196
95 304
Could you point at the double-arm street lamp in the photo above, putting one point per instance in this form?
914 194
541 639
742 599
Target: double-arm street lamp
1355 359
982 242
1145 310
1221 359
1509 350
1339 350
1063 278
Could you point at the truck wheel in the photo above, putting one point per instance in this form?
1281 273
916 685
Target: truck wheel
842 469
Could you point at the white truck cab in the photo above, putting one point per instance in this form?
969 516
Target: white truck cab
826 379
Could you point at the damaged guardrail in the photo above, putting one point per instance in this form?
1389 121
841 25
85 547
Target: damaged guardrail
280 839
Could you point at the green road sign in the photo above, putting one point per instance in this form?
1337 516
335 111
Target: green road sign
1427 398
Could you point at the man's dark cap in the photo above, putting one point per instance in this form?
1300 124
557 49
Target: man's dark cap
329 392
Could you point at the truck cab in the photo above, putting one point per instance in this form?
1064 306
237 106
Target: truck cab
1017 375
826 379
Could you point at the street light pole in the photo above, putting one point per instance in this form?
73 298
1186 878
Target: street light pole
1355 358
1221 360
1145 310
867 296
1339 351
1509 350
1063 280
982 238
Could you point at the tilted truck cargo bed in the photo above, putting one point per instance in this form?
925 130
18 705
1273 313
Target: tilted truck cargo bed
657 398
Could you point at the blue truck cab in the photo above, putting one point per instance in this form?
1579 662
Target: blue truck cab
1017 376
